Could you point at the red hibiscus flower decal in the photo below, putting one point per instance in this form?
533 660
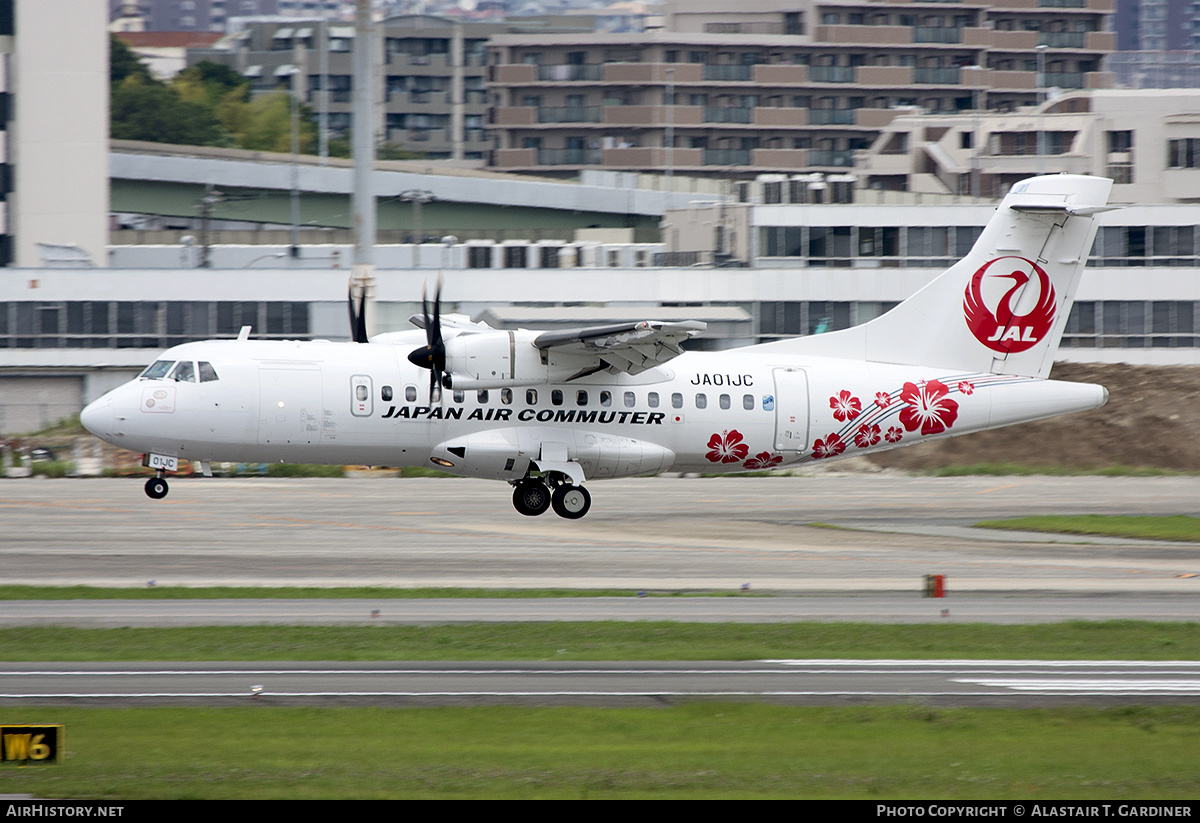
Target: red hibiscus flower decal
844 406
763 460
727 447
966 388
893 435
927 407
866 436
831 446
883 399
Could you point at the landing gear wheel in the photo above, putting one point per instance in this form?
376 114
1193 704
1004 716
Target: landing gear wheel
156 488
531 498
571 502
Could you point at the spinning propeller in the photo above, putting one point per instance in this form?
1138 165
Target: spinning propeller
358 316
432 355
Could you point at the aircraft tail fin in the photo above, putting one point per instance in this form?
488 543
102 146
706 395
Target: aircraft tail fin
1002 308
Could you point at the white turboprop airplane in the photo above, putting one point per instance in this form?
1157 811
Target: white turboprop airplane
547 411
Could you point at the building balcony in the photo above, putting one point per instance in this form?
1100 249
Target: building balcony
719 114
634 115
1013 40
936 77
831 117
652 73
864 35
825 158
780 159
723 74
726 157
1064 80
569 73
515 73
514 116
569 157
885 76
936 34
831 74
1062 39
1015 80
766 74
782 118
568 114
515 158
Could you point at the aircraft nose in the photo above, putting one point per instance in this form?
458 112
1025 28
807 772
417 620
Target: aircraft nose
97 417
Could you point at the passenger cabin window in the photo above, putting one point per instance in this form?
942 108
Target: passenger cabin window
581 398
207 373
482 395
748 402
725 401
531 397
410 393
652 400
556 397
385 393
702 401
506 396
677 400
605 398
360 392
157 370
630 399
185 372
460 396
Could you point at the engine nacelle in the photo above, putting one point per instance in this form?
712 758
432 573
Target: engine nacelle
498 359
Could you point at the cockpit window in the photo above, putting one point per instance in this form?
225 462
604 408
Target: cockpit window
185 372
207 373
157 370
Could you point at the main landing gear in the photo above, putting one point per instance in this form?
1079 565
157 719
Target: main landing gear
532 496
156 487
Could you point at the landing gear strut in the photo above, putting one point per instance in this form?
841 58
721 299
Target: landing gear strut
156 487
533 496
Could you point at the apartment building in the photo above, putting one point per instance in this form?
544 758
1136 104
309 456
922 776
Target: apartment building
432 85
1146 140
767 88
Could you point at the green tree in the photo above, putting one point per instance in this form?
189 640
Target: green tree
152 111
122 62
265 123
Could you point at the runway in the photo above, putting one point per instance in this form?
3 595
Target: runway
823 533
794 682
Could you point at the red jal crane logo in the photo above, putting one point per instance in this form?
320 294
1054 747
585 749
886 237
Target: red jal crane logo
1004 330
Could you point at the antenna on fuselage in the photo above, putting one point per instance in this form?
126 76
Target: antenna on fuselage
244 334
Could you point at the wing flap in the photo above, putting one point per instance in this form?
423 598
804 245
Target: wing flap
624 347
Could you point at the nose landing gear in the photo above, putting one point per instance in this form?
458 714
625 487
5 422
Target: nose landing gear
533 496
156 487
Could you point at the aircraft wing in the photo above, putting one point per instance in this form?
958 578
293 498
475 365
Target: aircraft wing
622 347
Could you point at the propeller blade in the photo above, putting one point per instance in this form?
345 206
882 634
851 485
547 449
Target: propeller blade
358 316
432 355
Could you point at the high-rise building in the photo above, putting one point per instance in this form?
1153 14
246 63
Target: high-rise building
740 89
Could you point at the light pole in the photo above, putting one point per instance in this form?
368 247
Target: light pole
418 197
975 127
1041 95
670 135
295 130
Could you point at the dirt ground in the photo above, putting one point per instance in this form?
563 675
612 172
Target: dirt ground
1152 419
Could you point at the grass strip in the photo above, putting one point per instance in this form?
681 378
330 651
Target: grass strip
1053 471
1172 527
692 750
1074 640
313 592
